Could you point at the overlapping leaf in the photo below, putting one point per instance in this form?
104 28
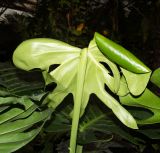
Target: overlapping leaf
147 100
18 115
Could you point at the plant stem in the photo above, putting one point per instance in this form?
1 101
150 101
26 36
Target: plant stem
78 99
79 149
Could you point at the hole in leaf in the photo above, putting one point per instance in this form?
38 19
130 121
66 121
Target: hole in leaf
120 72
107 67
53 67
139 113
66 105
33 75
51 86
110 92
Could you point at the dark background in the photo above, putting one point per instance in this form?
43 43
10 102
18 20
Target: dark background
132 23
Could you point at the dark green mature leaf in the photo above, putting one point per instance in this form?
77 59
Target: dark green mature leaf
61 122
19 82
94 120
12 111
147 100
151 132
97 120
3 91
18 123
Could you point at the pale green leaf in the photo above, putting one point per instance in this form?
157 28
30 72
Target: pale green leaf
136 82
81 72
123 90
75 65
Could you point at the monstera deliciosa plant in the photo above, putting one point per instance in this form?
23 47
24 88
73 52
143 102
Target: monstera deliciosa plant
82 72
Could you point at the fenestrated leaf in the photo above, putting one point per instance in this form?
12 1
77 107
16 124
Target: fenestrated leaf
80 72
41 53
147 100
123 89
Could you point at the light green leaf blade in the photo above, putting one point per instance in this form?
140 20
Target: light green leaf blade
136 82
96 75
123 89
42 49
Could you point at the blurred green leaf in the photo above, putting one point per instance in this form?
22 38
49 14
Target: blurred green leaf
155 78
18 82
93 121
151 132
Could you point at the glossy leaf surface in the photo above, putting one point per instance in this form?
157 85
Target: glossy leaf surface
120 55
